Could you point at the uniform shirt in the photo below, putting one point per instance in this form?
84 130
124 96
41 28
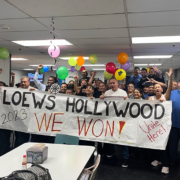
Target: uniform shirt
135 80
117 93
175 98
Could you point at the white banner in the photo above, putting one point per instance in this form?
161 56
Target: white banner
139 123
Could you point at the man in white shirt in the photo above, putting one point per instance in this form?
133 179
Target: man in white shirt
116 92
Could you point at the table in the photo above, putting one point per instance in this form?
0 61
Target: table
64 162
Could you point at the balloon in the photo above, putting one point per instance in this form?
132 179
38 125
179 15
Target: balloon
41 70
107 75
73 68
77 67
125 66
82 68
147 70
93 59
46 68
62 72
115 71
110 67
80 61
54 51
72 61
120 74
122 58
4 53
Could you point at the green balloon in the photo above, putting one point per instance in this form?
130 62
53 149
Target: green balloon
93 59
41 70
4 53
62 72
77 67
107 75
72 61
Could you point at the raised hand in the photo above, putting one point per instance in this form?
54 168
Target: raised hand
12 74
170 72
76 78
40 66
0 71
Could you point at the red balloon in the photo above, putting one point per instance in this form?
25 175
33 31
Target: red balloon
111 67
115 71
82 68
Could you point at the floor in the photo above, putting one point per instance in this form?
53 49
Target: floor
139 168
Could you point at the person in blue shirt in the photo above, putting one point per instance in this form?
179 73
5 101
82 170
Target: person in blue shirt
175 130
136 77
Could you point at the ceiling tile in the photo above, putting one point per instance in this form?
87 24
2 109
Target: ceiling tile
100 41
8 11
86 22
94 33
170 18
51 8
152 5
155 31
22 25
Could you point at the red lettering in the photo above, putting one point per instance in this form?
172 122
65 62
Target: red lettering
98 127
58 122
107 125
150 138
83 126
163 128
160 132
43 118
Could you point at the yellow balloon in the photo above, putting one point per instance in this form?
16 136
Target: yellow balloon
120 74
107 75
147 70
77 67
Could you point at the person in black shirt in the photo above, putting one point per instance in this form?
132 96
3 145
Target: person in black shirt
84 77
144 80
102 90
79 89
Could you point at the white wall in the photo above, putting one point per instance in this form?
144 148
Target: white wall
5 66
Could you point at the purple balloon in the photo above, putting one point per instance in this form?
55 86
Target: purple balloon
73 68
125 66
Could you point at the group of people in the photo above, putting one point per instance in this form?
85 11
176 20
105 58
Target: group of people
141 86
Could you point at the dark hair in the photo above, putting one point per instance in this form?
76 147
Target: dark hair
71 80
69 89
55 79
63 83
84 87
144 69
70 86
83 80
151 68
137 68
131 82
4 84
18 85
138 89
90 86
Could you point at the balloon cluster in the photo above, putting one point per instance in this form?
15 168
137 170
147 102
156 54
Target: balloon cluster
119 74
4 53
76 64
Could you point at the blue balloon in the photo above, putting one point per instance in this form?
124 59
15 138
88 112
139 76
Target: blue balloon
46 68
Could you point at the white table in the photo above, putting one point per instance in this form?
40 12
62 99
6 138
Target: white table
64 162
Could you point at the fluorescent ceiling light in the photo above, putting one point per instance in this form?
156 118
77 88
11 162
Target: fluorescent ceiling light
42 42
44 65
28 69
98 69
94 65
156 39
140 64
67 58
155 64
18 59
153 57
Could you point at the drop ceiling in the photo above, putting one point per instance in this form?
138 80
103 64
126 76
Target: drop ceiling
102 27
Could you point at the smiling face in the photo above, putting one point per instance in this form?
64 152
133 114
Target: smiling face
174 85
136 72
83 83
122 86
158 89
89 90
146 89
130 88
102 87
151 89
84 74
143 73
25 83
50 81
63 88
137 94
